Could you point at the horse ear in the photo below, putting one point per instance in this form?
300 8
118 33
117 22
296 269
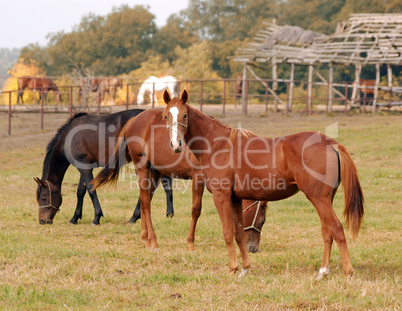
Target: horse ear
184 96
166 96
39 181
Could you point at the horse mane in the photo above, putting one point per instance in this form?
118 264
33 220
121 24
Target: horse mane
247 134
52 144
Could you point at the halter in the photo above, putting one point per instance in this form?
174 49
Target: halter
255 217
175 123
50 197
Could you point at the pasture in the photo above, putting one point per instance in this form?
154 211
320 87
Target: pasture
64 266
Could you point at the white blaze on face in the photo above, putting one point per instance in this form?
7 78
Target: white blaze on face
173 138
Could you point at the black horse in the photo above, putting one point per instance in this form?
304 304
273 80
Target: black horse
85 141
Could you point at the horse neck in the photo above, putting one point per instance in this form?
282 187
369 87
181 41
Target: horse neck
201 125
55 166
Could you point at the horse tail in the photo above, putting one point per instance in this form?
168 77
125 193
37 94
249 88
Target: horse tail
354 200
110 173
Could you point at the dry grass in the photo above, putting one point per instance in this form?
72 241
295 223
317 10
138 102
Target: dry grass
106 267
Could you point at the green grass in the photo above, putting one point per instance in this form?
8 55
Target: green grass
63 266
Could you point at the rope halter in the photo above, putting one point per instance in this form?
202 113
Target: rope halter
175 123
50 197
255 216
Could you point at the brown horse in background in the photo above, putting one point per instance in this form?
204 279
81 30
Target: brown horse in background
37 84
144 140
238 164
102 85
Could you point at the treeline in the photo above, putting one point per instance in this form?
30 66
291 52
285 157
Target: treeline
128 41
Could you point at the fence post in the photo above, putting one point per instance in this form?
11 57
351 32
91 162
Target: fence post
127 99
346 97
266 97
71 101
9 113
246 98
99 101
41 109
201 94
153 95
224 96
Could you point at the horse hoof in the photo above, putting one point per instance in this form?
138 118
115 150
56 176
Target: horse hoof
322 274
73 222
243 273
169 215
133 220
95 224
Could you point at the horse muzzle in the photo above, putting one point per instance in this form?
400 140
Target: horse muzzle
45 221
176 146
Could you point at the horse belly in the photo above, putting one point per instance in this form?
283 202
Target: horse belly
269 187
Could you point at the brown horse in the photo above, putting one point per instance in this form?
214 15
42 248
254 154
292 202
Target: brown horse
145 141
239 165
37 84
103 85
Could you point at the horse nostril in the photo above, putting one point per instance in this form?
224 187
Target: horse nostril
41 222
180 143
171 145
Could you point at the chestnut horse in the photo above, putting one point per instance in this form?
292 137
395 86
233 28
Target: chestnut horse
103 85
37 84
238 165
85 141
144 140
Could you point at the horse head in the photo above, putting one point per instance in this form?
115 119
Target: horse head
49 200
253 220
175 115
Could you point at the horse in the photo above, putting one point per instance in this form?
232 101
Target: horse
237 164
103 85
84 142
144 141
37 84
154 84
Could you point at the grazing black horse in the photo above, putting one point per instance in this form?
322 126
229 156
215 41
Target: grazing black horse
85 141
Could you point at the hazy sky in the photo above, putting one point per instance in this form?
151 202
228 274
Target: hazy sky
29 21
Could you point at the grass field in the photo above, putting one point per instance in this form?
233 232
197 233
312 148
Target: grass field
62 266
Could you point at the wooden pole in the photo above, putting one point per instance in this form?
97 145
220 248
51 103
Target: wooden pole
224 97
389 74
310 89
9 113
377 85
356 84
41 110
275 84
71 101
330 86
291 86
243 85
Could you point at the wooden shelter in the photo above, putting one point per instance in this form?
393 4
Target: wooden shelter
364 39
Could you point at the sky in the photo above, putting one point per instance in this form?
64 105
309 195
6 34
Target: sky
29 21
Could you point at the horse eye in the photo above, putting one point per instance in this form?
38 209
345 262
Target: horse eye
185 116
166 117
44 198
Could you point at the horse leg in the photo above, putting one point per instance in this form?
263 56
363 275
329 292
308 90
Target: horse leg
137 213
148 181
335 229
88 177
20 95
237 216
197 191
81 190
225 208
328 239
167 186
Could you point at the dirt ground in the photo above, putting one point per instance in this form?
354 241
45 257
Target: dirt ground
26 127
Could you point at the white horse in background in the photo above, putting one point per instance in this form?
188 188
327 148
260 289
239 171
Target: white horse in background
158 85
